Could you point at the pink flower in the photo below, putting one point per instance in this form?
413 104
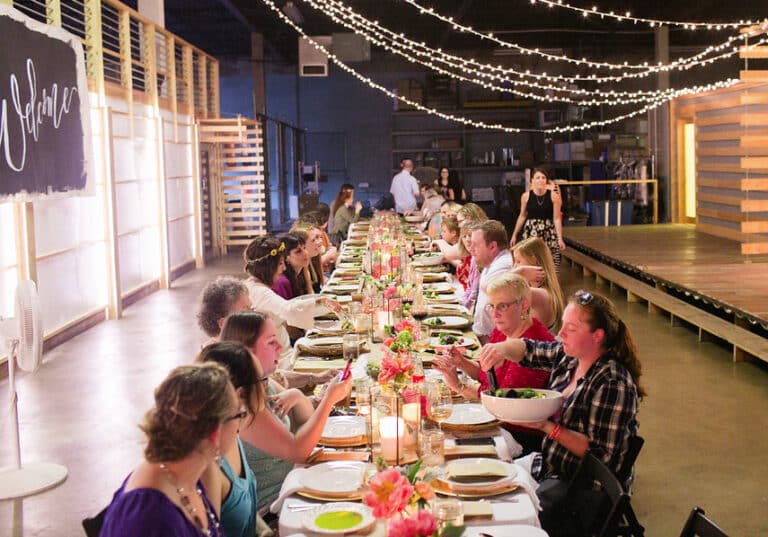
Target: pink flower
394 262
388 342
390 291
425 523
404 325
389 493
409 395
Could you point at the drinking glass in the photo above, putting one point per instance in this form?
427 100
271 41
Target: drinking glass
350 345
439 402
432 449
448 511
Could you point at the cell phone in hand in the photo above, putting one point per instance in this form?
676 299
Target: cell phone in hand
347 372
482 441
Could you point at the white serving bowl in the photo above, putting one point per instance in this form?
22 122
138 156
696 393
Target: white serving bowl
428 260
414 218
523 410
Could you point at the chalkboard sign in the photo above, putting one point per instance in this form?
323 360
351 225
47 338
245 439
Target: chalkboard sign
43 109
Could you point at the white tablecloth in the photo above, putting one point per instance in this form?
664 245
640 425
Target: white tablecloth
514 509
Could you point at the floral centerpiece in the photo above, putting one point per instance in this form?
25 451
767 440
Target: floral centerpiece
399 495
400 338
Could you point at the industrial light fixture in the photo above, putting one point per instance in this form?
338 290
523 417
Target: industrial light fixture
292 12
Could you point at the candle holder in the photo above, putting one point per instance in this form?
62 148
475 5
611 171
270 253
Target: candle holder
398 411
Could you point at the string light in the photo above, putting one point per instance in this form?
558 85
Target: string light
498 73
481 124
653 23
561 58
557 93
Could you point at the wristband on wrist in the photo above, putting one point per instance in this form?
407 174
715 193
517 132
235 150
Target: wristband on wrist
555 433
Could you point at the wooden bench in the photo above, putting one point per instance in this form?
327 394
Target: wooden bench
746 345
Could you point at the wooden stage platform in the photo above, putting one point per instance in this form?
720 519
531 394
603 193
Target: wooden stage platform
701 279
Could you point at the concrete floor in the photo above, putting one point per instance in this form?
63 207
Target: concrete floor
705 419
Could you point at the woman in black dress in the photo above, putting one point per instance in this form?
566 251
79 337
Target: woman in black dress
540 215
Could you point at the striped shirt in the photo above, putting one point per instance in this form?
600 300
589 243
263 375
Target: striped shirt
603 407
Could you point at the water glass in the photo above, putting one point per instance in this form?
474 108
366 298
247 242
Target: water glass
448 511
350 346
432 449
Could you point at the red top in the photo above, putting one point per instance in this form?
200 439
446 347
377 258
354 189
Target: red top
512 375
462 271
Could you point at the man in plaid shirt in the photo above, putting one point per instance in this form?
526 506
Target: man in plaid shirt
595 366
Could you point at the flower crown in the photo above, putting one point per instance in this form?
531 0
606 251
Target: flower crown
272 253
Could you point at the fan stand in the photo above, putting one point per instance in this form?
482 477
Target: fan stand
28 479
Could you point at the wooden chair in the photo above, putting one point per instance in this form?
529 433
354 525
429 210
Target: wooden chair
603 513
699 525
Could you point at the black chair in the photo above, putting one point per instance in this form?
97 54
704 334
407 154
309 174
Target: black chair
698 525
596 504
92 526
625 472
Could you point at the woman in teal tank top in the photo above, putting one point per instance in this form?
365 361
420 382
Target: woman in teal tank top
232 483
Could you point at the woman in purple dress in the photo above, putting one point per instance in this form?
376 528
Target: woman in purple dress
195 420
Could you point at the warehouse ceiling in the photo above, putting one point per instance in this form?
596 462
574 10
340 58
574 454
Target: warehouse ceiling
222 27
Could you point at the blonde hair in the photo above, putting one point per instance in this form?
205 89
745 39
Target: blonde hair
473 212
536 249
511 282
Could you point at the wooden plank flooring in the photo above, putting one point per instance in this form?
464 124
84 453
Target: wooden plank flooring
678 255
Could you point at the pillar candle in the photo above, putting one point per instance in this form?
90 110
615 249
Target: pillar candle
392 431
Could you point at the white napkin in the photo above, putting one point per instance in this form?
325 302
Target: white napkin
513 448
291 486
527 482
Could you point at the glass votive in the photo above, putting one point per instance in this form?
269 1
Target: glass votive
448 511
432 447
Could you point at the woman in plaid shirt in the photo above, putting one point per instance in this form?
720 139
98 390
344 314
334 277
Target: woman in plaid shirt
596 367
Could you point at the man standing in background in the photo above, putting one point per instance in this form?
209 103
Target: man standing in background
405 188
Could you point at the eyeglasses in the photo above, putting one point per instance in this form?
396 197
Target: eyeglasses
501 307
583 298
240 415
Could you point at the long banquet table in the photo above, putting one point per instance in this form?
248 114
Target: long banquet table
514 514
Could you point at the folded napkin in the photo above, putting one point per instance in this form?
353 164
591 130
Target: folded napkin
314 363
470 451
479 509
461 470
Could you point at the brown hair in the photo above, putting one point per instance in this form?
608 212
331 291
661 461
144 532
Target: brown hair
190 404
473 212
216 302
299 280
493 231
535 248
244 371
259 261
315 270
602 314
345 191
452 224
243 327
542 171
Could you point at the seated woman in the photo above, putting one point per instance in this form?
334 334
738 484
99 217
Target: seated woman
345 215
319 219
231 485
273 446
227 295
466 216
313 242
596 367
547 296
264 262
195 418
294 281
509 299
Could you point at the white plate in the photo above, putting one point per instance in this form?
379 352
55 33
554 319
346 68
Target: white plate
440 287
359 511
466 342
503 467
469 414
322 341
414 218
449 321
458 308
341 427
342 287
334 476
427 261
349 265
443 299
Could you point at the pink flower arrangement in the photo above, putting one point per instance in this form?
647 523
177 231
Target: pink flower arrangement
389 292
404 325
390 492
395 367
422 524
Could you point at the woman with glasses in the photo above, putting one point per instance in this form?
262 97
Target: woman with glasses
232 484
596 367
194 421
547 296
287 430
509 305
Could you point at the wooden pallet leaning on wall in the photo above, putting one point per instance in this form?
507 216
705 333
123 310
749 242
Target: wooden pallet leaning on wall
237 183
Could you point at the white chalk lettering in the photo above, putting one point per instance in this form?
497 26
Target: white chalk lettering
30 115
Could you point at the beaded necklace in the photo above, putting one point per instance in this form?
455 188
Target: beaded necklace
186 503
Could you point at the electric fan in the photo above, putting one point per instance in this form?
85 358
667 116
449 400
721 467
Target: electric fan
22 339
